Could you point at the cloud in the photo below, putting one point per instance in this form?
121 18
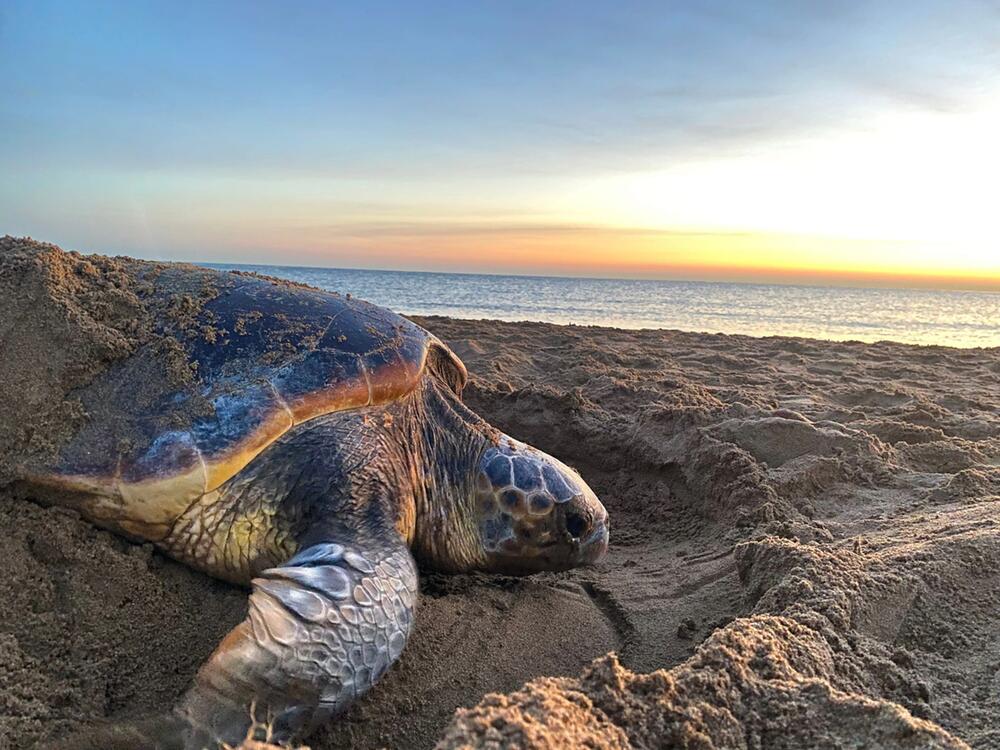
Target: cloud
500 227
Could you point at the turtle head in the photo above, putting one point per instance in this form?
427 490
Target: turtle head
534 512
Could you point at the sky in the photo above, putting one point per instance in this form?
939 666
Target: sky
843 142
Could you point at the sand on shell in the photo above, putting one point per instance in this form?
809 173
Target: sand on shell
805 552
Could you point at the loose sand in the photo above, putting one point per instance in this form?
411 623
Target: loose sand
805 552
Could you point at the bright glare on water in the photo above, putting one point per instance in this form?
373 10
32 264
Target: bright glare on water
917 316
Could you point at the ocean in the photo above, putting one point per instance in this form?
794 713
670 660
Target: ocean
916 316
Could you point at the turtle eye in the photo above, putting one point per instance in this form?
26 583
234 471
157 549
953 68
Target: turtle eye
575 524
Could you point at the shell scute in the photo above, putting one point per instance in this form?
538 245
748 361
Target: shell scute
323 378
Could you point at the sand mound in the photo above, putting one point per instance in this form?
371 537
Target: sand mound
762 682
86 314
805 548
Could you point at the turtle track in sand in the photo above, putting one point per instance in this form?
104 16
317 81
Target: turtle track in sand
804 543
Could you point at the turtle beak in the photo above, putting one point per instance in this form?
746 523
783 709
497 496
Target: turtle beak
592 545
594 548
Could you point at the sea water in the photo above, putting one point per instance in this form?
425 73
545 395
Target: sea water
917 316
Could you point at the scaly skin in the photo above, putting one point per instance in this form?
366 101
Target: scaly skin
325 525
410 461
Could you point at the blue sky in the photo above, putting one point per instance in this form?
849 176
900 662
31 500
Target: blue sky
364 133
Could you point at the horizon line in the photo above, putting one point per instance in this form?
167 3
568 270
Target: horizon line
813 278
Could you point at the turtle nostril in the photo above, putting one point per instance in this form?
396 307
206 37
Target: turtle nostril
575 524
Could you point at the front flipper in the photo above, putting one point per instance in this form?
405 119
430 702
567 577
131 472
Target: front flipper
321 629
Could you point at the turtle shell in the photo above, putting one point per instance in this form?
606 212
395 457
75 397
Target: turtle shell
233 362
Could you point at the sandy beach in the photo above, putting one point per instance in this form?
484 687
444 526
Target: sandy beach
805 551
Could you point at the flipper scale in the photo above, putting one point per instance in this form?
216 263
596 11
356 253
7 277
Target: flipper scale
318 635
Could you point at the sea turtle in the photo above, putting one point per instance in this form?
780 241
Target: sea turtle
315 447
